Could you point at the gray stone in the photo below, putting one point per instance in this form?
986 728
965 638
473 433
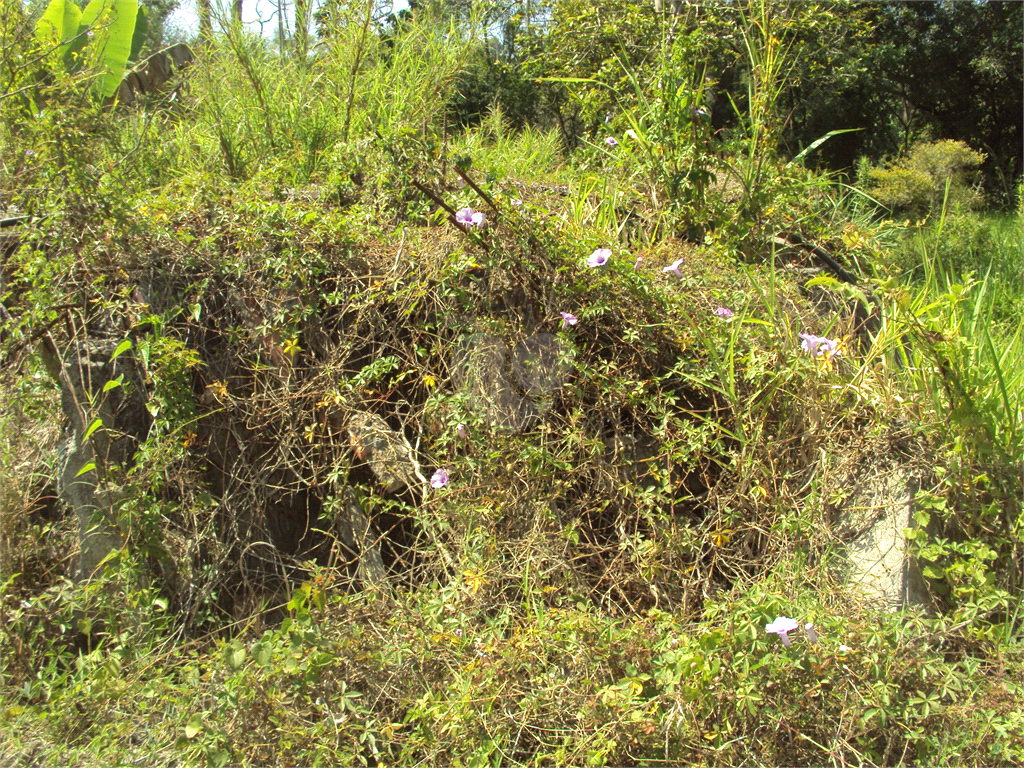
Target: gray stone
880 566
359 535
386 451
86 369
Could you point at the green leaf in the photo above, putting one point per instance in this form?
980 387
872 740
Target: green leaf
87 468
826 280
113 383
756 321
139 36
96 424
113 25
59 24
236 655
261 652
123 347
815 144
194 726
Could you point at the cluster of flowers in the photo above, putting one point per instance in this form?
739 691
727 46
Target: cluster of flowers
819 346
822 349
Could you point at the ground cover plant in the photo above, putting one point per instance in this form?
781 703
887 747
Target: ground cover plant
352 417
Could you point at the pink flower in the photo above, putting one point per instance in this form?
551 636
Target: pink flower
637 265
440 479
568 318
599 257
819 345
461 431
781 626
674 267
724 312
470 218
811 634
611 142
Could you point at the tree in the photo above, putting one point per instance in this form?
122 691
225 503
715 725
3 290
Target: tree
909 72
955 69
157 12
301 30
205 13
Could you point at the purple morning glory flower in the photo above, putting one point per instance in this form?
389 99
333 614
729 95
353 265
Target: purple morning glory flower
811 634
440 479
819 345
674 268
781 626
517 202
461 431
637 265
724 312
611 142
568 318
470 218
599 257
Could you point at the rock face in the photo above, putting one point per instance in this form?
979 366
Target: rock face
86 370
880 565
510 387
386 451
359 535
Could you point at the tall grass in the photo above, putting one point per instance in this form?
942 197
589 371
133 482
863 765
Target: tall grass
528 155
955 327
254 111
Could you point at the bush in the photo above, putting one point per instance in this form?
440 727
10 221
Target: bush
917 184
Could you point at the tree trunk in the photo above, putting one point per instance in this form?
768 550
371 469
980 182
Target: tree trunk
205 19
301 30
282 27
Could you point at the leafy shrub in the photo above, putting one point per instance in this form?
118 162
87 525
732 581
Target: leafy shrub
917 184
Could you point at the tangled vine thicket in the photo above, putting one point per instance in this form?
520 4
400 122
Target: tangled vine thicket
266 329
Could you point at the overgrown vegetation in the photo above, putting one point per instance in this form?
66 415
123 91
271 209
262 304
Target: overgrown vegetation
657 377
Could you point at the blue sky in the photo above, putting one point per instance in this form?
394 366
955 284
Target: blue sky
253 13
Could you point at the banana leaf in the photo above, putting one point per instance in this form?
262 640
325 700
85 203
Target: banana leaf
112 23
59 24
